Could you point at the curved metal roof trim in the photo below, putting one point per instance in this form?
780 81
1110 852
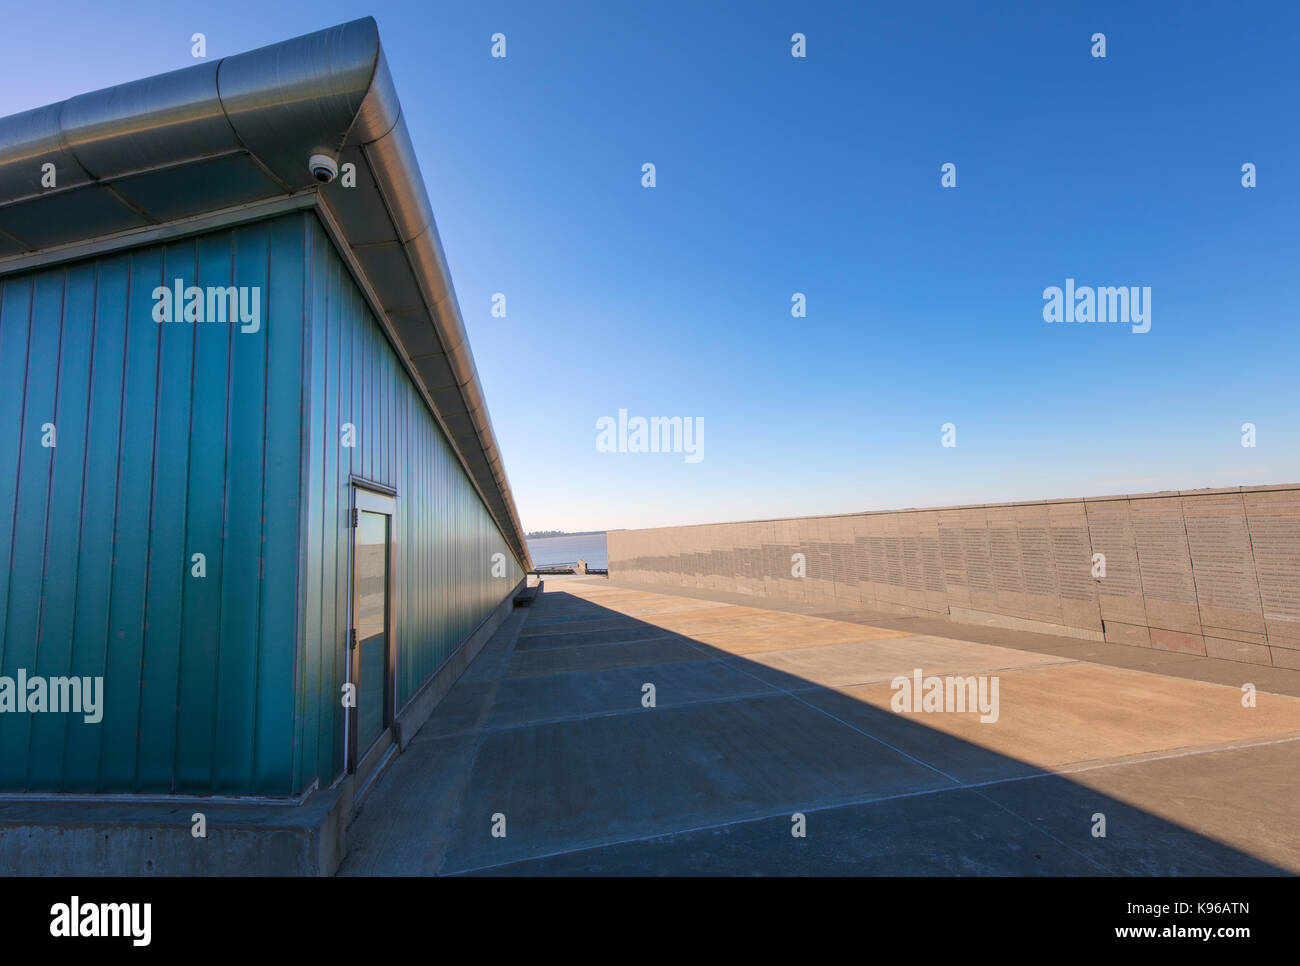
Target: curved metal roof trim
238 131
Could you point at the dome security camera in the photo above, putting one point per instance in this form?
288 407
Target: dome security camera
323 168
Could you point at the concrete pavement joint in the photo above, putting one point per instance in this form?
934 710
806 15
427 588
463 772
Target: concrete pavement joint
872 800
865 734
772 690
666 636
488 701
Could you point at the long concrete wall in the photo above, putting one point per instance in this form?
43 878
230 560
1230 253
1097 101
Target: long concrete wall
1212 572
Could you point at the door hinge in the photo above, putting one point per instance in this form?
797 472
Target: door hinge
356 517
352 638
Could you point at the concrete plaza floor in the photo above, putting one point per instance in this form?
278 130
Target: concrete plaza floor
763 712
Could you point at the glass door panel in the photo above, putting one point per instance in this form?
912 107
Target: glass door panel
370 618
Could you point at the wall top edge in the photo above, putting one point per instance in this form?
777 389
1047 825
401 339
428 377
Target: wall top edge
1160 494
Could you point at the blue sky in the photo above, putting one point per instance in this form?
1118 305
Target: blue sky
821 175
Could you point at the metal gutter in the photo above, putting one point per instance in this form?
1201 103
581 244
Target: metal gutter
237 132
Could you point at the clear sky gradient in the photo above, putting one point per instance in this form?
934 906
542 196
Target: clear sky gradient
821 175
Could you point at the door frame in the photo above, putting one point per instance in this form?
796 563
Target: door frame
368 496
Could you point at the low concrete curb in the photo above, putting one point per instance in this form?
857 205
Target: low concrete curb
42 835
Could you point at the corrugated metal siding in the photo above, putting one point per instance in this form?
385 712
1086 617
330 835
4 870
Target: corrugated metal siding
173 439
444 537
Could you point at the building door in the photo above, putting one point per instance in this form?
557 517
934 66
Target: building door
372 653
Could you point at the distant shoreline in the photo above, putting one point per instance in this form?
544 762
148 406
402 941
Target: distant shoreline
565 549
546 534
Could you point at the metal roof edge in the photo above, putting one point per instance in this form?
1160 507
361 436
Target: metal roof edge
325 92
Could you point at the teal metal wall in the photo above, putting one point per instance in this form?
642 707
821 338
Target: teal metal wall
179 438
444 538
172 439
